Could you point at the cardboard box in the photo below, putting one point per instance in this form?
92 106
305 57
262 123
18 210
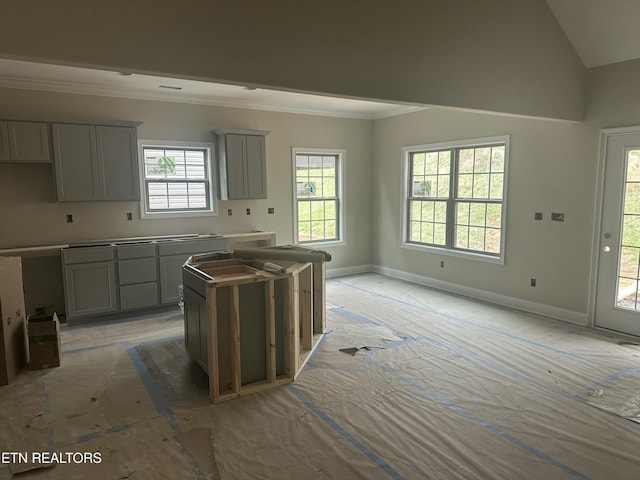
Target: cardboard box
13 352
44 342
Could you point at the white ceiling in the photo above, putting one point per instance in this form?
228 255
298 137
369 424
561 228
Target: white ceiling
601 31
57 78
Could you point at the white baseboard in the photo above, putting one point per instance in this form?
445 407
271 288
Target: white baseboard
341 272
577 318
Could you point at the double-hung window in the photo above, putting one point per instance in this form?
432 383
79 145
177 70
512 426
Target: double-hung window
318 197
176 179
455 197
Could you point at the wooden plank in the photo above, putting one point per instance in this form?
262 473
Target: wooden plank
292 327
212 313
234 328
306 307
270 337
319 298
284 253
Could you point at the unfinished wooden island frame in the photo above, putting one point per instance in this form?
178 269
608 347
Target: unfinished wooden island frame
252 323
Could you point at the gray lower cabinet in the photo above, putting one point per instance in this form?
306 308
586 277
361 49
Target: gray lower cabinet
109 279
137 276
173 255
196 327
90 281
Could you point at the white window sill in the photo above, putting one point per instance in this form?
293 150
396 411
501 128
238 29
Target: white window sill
452 253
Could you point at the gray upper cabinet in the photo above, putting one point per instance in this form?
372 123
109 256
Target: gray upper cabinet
242 163
95 162
26 142
118 162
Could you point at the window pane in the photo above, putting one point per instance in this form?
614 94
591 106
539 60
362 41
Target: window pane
440 214
465 186
496 186
314 186
497 159
418 163
476 238
494 215
478 197
317 230
431 163
304 211
440 234
481 186
462 236
482 160
316 178
330 210
477 214
175 164
428 222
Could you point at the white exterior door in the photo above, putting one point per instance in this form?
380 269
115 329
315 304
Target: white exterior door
618 290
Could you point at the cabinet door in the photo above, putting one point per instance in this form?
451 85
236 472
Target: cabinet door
90 289
29 142
5 155
256 167
195 316
236 166
171 277
118 163
76 162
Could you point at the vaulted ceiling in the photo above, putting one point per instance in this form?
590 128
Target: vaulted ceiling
600 31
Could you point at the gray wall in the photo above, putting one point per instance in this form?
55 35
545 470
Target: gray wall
613 99
552 169
494 55
29 215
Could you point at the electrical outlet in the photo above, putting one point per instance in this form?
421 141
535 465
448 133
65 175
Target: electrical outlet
441 263
229 212
129 216
271 210
537 216
248 211
557 217
69 218
533 282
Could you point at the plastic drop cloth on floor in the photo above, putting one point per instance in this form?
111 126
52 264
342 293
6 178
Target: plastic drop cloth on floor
430 386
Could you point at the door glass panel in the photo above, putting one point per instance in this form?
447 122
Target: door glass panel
629 261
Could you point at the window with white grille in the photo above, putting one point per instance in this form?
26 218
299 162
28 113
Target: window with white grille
455 196
318 198
176 179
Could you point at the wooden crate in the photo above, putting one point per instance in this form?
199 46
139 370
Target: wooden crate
250 329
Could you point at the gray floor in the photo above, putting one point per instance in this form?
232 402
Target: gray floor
406 383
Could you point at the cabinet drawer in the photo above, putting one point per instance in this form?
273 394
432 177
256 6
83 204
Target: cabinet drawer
136 251
87 254
138 296
137 270
188 247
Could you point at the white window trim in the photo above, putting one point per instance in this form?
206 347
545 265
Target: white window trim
211 175
342 154
475 142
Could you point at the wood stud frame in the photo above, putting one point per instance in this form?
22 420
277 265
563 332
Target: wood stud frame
261 327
